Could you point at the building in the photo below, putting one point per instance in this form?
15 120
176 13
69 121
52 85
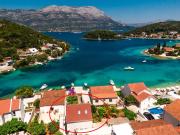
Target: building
172 113
10 108
153 127
177 46
168 49
52 101
141 94
78 117
103 94
33 50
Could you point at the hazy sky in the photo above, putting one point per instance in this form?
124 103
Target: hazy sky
128 11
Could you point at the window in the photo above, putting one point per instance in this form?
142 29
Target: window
96 101
110 100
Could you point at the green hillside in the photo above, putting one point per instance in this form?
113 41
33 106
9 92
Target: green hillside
14 36
158 27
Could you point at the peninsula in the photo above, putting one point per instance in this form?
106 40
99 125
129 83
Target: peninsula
164 51
21 46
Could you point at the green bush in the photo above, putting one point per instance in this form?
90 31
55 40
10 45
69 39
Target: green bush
36 103
12 126
129 100
52 128
129 114
24 92
72 100
162 101
35 128
119 93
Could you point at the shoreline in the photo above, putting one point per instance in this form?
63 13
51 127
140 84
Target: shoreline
160 56
92 39
153 38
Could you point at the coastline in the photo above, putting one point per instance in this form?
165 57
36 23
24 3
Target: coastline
152 38
162 57
93 39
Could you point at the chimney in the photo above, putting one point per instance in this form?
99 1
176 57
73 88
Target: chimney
79 112
86 111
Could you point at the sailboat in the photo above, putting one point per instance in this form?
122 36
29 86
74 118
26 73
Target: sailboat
99 38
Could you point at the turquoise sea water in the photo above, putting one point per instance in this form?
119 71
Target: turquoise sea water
96 62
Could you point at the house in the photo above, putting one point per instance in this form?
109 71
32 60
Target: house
10 108
172 113
78 117
140 93
168 49
52 101
33 50
103 94
177 46
153 127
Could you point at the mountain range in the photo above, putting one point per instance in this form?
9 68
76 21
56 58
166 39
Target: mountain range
62 18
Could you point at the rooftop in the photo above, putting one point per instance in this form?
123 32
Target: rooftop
8 105
50 97
153 127
103 92
142 96
78 113
174 109
137 87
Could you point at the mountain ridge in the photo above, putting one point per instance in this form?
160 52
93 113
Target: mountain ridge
61 18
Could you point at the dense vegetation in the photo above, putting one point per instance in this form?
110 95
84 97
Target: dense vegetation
162 101
24 92
12 126
101 34
129 114
105 112
158 27
72 100
14 37
130 100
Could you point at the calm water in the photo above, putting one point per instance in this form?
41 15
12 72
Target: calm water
96 63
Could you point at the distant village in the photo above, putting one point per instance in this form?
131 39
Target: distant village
133 109
32 56
159 35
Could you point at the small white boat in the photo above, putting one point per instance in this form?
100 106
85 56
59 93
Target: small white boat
129 39
144 61
77 49
129 68
63 87
111 82
44 86
72 84
99 38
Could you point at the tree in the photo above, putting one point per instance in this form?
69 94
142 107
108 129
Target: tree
24 92
101 112
12 126
42 57
130 100
72 100
35 128
119 93
53 127
129 114
36 103
162 101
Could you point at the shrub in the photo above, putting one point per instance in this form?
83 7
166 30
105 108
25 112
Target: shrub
36 103
24 92
129 114
72 100
129 100
52 127
162 101
35 128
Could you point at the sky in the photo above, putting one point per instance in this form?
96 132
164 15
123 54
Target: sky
126 11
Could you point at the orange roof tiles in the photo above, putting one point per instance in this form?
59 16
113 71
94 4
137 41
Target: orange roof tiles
137 87
141 96
50 97
15 104
78 113
178 129
174 109
8 105
168 49
103 92
153 127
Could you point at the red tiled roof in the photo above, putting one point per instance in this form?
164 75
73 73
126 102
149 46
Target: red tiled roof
6 105
15 104
141 96
174 109
178 129
78 113
168 49
103 92
153 127
137 87
49 97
